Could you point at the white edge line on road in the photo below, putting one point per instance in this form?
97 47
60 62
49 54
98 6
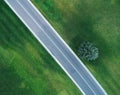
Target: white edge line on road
63 42
44 46
55 45
68 47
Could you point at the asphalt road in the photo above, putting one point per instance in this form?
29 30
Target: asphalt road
56 46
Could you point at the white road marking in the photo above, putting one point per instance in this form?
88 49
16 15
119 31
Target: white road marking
55 45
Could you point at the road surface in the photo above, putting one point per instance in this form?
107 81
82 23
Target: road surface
56 46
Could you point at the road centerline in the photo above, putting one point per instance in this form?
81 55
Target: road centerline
96 89
56 46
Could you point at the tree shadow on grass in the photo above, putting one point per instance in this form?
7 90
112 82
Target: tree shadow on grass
81 26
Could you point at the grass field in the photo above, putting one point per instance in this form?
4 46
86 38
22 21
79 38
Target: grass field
97 21
25 67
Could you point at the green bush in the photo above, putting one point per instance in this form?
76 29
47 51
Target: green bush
88 51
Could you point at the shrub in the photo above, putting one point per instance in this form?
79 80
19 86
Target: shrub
88 51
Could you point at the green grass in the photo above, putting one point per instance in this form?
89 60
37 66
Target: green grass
25 66
90 20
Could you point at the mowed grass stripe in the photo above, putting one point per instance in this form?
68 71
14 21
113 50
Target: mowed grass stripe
32 69
8 31
13 21
88 20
